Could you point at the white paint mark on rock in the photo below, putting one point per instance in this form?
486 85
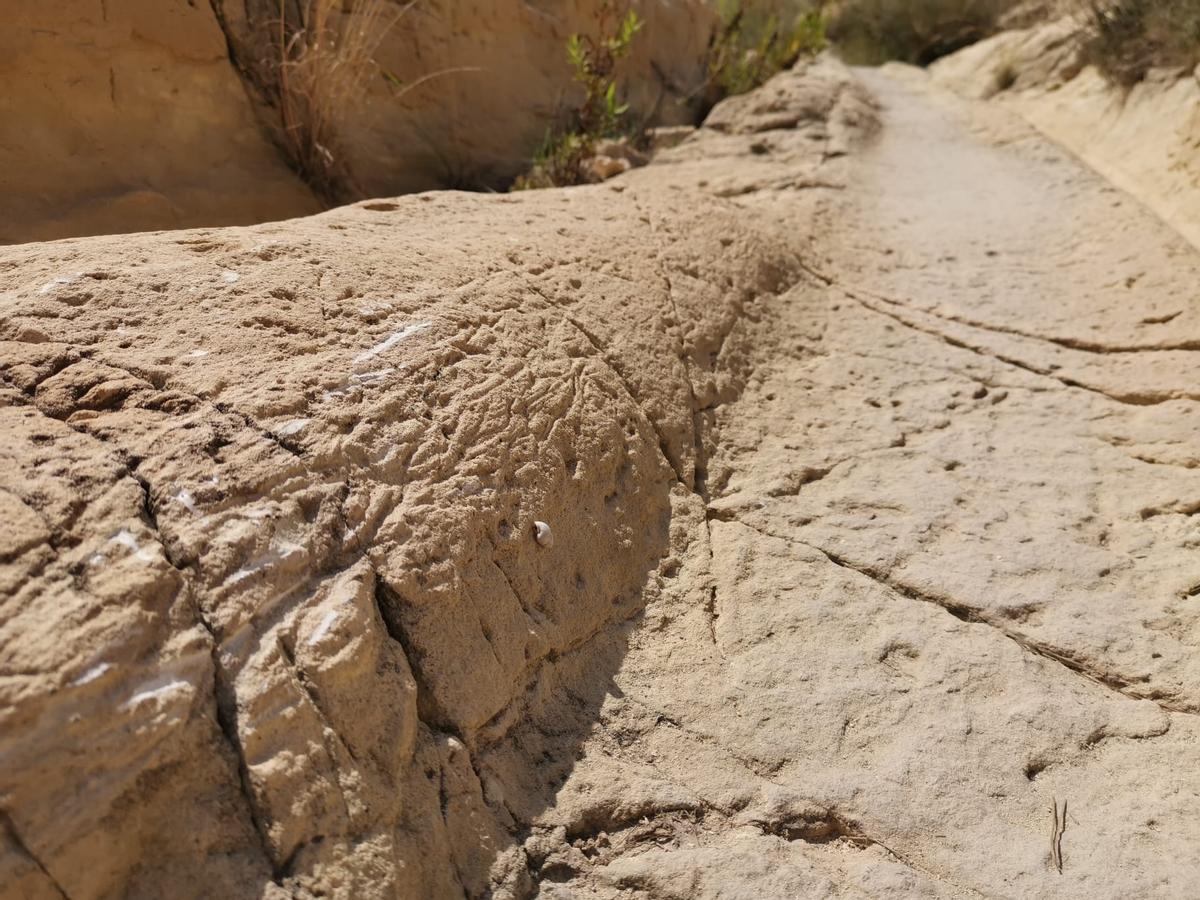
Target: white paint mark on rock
92 674
292 427
157 688
542 534
323 628
368 377
125 538
56 283
279 551
186 500
384 346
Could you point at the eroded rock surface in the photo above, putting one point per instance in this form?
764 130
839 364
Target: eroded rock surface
868 458
155 114
474 85
273 592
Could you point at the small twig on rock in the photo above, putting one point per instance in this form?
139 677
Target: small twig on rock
1056 834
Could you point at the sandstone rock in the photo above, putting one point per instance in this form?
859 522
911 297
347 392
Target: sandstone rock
867 451
131 116
275 589
600 168
506 81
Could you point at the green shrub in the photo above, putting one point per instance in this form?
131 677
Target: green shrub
593 59
870 32
759 38
1130 37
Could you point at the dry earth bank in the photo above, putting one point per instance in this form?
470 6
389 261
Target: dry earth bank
1145 139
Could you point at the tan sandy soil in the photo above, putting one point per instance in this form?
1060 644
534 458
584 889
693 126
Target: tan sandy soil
865 439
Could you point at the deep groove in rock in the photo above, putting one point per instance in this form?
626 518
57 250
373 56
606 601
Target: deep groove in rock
225 707
971 615
1077 344
1127 399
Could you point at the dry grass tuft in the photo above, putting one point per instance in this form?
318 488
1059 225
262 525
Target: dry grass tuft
325 59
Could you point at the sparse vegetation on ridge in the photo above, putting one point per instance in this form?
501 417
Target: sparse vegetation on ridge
759 38
1127 38
602 113
915 31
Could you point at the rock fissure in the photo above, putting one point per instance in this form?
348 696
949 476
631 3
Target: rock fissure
1079 344
1134 398
10 829
225 710
974 616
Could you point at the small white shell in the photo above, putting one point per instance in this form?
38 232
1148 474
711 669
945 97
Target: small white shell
542 534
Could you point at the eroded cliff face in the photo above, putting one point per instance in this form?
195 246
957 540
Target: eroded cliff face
277 616
132 116
127 116
473 85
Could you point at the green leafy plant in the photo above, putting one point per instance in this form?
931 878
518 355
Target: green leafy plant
594 60
757 39
1127 38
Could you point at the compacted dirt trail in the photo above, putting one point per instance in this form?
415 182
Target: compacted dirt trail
811 513
941 637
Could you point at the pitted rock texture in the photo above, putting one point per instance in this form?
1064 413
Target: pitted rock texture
273 599
865 434
949 577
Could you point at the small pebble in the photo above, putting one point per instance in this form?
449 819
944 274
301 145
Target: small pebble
542 534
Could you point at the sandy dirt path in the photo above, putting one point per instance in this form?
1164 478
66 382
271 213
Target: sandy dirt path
938 634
